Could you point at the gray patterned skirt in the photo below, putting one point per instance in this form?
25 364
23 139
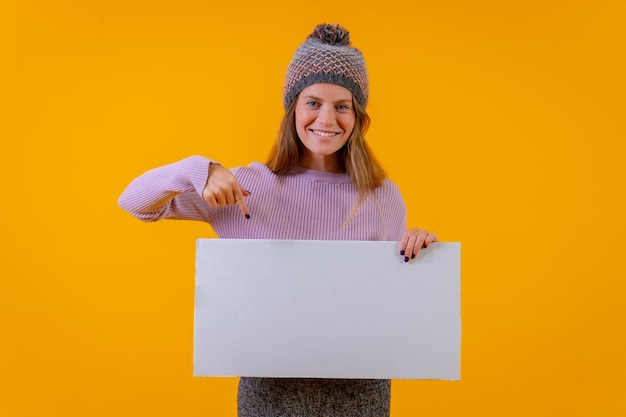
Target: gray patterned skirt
286 397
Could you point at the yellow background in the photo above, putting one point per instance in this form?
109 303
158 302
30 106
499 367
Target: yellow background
501 121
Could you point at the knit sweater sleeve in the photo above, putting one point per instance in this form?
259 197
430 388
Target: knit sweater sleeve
395 208
172 191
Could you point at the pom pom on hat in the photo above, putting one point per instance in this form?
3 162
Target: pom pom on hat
327 57
331 34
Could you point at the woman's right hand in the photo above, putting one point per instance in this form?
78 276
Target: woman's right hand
222 189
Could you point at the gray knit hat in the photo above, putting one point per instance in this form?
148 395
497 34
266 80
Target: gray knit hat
327 57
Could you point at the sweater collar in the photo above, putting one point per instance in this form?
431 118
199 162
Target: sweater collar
320 176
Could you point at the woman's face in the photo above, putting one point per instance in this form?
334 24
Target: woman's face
324 122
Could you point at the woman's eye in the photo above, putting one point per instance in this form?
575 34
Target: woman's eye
343 107
312 104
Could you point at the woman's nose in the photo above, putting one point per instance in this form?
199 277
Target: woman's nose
326 115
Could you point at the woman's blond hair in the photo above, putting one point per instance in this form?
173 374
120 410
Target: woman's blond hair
359 162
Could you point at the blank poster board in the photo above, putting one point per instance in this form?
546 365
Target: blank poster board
326 309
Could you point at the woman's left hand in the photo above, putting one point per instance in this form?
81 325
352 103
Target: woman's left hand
413 241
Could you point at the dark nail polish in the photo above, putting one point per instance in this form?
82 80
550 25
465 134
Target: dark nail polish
406 259
402 252
247 216
424 246
413 256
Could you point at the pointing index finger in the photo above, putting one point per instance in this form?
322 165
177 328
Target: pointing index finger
241 202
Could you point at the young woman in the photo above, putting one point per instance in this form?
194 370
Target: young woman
320 182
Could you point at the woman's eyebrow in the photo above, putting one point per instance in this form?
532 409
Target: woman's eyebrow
310 97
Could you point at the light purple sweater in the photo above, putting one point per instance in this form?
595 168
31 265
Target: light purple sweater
306 204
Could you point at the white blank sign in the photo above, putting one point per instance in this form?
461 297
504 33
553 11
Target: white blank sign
326 309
